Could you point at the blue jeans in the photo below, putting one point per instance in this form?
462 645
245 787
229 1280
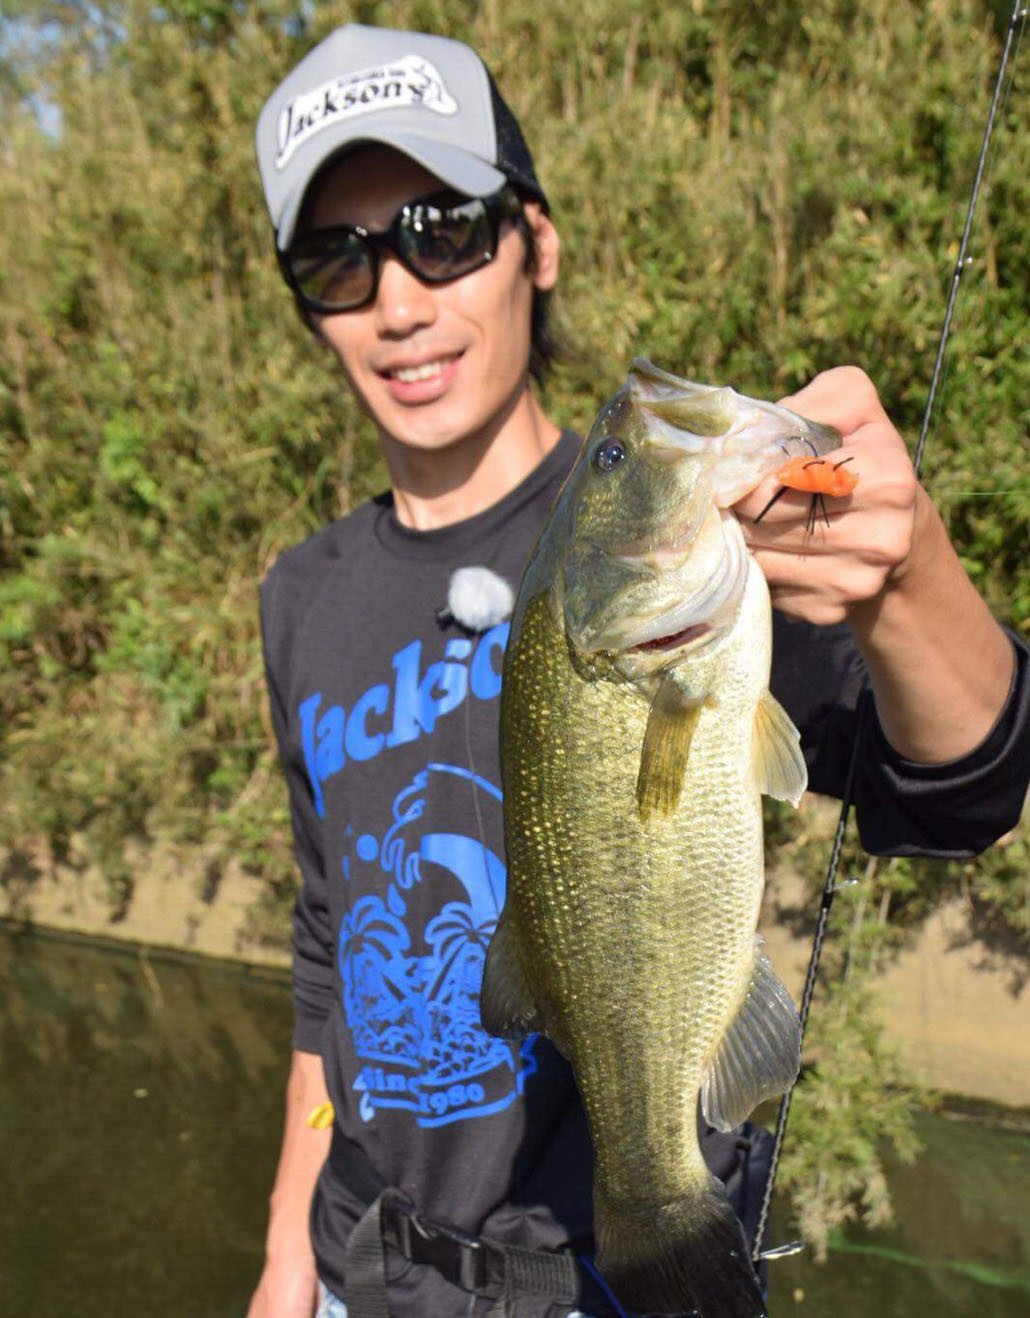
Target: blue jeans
331 1306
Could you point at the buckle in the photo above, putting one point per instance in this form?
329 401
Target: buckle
472 1265
461 1259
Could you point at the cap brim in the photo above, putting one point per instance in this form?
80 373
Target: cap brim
458 169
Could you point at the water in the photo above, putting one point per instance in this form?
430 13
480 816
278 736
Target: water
959 1245
140 1105
140 1110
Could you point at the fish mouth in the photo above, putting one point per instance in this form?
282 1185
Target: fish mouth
666 613
702 614
674 640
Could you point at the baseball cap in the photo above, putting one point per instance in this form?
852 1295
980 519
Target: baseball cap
427 96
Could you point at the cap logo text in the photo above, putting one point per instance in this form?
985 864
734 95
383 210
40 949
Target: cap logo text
411 80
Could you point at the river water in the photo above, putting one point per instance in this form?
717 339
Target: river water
140 1109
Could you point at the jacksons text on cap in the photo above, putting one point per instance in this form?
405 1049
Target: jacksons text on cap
429 97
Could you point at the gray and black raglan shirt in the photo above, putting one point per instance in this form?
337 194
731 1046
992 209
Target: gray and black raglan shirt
387 724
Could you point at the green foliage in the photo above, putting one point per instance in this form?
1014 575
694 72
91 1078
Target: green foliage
744 197
854 1098
852 1101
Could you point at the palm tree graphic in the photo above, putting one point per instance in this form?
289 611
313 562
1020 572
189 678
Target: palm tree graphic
449 934
373 938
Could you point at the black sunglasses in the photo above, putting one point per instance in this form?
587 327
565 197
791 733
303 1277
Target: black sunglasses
437 238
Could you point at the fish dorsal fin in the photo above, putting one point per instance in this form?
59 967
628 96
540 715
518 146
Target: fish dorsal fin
758 1056
779 765
506 1005
663 756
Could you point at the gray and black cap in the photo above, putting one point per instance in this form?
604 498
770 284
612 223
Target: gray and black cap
429 97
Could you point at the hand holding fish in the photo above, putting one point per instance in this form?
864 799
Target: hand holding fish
940 665
819 572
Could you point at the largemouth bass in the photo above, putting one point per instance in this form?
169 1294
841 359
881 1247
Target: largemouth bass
637 737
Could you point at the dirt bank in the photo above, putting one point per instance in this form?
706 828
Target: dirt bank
950 1005
170 906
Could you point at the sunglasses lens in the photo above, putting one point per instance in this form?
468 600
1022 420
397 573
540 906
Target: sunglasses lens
441 238
442 243
333 272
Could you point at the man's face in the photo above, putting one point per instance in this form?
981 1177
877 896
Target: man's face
432 364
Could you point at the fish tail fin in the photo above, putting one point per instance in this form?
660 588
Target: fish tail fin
685 1257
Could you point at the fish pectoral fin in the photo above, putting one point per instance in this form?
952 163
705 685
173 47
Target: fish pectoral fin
506 1005
663 756
758 1056
779 765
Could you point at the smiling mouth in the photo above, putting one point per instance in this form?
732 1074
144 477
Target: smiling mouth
426 371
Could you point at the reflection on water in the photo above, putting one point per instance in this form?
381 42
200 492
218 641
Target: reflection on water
140 1110
140 1105
959 1246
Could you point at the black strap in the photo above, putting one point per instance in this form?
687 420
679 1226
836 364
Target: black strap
504 1273
480 1266
364 1264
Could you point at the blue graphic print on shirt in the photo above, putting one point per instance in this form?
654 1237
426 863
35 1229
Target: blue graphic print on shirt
330 736
411 994
411 997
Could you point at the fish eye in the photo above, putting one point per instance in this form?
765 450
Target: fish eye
608 454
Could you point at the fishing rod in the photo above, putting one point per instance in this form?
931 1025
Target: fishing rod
831 885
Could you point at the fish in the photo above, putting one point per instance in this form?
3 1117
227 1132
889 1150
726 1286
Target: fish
638 734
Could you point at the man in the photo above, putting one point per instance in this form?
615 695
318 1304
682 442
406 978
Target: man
416 239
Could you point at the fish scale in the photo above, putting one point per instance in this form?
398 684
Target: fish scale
588 913
637 736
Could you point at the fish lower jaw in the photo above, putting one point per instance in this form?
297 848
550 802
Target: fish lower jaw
675 640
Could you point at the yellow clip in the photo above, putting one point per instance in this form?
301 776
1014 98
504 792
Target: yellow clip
321 1117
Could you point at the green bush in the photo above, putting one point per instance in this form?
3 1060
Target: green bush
744 198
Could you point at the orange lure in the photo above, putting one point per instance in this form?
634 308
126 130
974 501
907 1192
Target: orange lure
817 477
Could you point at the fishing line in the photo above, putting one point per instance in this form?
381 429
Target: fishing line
476 789
962 262
831 886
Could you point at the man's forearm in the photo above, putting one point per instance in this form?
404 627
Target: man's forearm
940 665
303 1152
289 1284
